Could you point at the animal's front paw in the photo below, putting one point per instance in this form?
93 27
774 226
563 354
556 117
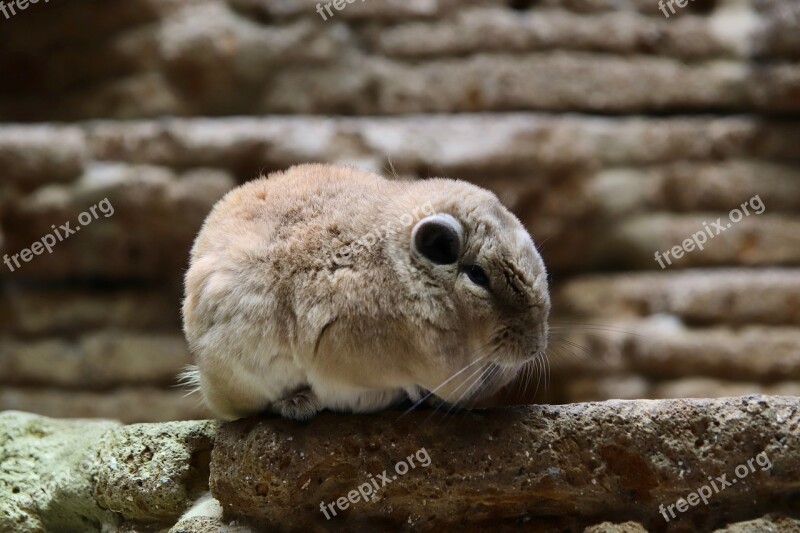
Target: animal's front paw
419 396
301 406
415 393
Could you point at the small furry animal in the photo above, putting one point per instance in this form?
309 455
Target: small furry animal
329 287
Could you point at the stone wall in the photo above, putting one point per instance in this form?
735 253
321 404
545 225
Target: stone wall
612 131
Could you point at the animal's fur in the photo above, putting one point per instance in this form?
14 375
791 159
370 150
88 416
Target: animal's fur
278 319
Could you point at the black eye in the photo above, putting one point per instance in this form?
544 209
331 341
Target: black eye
438 238
477 275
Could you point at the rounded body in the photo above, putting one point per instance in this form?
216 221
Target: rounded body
305 291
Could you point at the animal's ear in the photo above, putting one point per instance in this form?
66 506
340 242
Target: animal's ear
438 238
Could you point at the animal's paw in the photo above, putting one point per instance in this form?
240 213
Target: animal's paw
301 406
423 397
415 393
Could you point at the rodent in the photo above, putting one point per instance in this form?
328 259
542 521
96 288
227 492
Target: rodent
281 317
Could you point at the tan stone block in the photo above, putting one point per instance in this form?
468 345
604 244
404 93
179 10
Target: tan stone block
95 361
48 311
127 404
732 296
569 464
118 242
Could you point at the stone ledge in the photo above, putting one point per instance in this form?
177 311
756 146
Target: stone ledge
509 140
662 347
633 387
282 57
542 468
96 361
153 200
34 155
36 312
128 404
720 296
88 475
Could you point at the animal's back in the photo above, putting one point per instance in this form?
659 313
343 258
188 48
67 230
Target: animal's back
310 207
261 265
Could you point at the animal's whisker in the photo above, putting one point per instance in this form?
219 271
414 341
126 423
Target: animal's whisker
448 380
451 405
479 373
574 344
479 381
570 326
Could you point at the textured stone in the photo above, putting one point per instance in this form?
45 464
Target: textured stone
666 349
47 311
686 187
756 240
779 36
608 527
31 156
254 56
147 202
732 296
86 475
627 387
95 361
45 474
127 404
521 141
767 524
497 30
661 347
376 10
712 388
557 81
513 466
153 472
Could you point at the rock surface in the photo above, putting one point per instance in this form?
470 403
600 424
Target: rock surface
727 296
46 311
574 464
45 474
153 472
138 202
217 57
768 524
128 404
606 467
81 475
95 362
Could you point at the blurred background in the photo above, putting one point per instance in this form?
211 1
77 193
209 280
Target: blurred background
612 130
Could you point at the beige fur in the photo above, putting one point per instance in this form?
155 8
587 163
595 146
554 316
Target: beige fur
278 320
